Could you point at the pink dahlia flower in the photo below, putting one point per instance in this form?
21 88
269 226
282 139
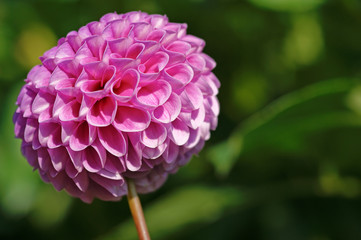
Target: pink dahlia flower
131 96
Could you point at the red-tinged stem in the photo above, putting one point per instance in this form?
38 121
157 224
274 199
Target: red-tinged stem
137 211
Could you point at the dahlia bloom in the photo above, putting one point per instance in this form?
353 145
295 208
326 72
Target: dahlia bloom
131 96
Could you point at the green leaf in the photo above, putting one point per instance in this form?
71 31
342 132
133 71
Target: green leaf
285 124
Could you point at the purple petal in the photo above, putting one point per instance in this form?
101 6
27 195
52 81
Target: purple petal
102 113
169 111
155 63
179 132
42 101
30 129
67 129
59 157
96 45
114 164
112 140
191 97
44 159
124 88
178 75
135 51
154 94
70 111
75 159
91 160
154 135
65 51
129 119
120 46
115 187
50 134
116 29
82 181
133 158
82 136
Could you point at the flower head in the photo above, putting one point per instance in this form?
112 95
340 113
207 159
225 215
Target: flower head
131 96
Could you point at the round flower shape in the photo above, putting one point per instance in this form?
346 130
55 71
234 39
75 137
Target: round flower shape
131 96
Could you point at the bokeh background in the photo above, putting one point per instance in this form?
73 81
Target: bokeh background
285 161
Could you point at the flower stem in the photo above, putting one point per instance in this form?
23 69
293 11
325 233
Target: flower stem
137 211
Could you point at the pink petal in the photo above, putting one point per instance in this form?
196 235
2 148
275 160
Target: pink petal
91 160
191 97
155 63
82 136
65 51
129 119
102 113
114 164
59 157
169 111
133 158
120 45
95 70
197 62
44 159
50 134
158 21
115 187
70 111
121 64
154 94
124 88
75 159
154 135
112 140
27 101
67 129
71 67
117 29
30 129
172 153
153 153
42 101
96 45
179 132
178 75
82 181
135 50
141 30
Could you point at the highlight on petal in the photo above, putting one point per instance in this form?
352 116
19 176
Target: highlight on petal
169 111
154 135
154 94
130 119
42 102
124 88
179 132
178 75
82 137
112 140
191 97
102 113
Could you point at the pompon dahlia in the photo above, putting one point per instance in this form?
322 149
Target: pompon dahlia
131 96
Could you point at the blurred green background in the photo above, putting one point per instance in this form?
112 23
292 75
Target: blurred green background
284 162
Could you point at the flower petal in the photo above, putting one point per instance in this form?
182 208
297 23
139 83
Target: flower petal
82 136
112 140
154 135
169 111
129 119
191 97
154 94
179 132
102 113
124 88
178 75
